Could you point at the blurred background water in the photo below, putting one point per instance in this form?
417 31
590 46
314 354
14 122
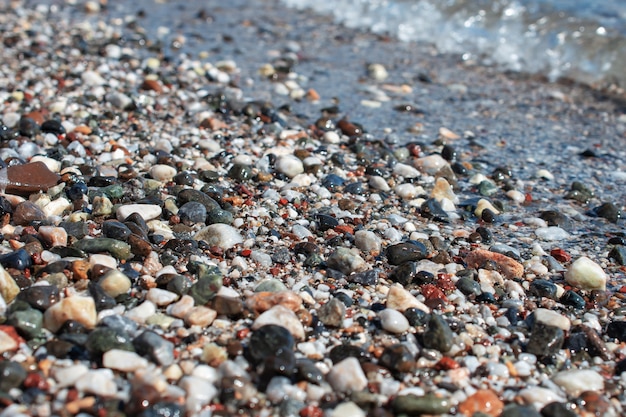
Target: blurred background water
584 40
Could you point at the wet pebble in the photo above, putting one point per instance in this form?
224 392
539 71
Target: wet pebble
585 274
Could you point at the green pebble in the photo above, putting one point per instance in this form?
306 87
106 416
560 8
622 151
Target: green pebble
427 404
487 188
27 322
270 285
12 374
117 248
219 216
150 185
113 191
208 284
180 285
103 339
102 206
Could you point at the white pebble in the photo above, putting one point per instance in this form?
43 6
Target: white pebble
393 321
220 235
378 183
406 191
142 312
161 297
586 274
347 409
405 171
552 318
146 211
367 241
430 164
347 376
551 233
162 172
281 316
97 381
123 360
199 391
539 397
575 381
289 165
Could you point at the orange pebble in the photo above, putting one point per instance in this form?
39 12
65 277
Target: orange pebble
485 401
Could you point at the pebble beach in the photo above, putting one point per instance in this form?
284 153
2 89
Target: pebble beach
245 209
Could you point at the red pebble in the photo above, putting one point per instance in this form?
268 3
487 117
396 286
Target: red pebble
246 252
431 291
560 255
446 363
311 411
36 380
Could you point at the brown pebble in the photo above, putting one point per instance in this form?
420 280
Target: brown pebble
27 212
152 85
263 301
508 267
29 178
80 269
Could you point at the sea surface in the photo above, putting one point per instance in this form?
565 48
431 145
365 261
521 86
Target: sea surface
584 40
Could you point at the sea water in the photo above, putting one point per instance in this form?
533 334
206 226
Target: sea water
584 40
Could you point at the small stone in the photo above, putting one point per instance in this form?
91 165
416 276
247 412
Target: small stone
12 374
574 382
27 212
468 286
377 72
400 299
97 381
484 401
120 250
161 297
430 164
267 340
404 252
551 233
346 261
19 259
506 265
162 172
484 205
27 322
77 308
415 405
586 275
399 359
220 235
289 165
557 409
438 335
332 313
608 211
192 212
617 330
115 283
53 236
8 287
367 241
103 339
514 410
155 348
543 288
393 321
199 393
146 211
552 318
405 171
545 340
200 316
406 191
443 190
219 216
181 308
618 254
29 178
281 316
7 343
123 360
142 312
347 376
538 396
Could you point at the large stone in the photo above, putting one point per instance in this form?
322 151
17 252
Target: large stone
281 316
220 235
8 288
508 267
575 381
347 376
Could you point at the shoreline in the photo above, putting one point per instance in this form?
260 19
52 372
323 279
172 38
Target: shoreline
265 213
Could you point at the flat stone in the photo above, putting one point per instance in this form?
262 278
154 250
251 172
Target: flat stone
438 335
416 405
551 233
200 316
586 275
146 211
430 164
123 360
28 178
574 382
77 308
347 376
539 397
162 172
332 313
367 241
281 316
507 266
545 340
